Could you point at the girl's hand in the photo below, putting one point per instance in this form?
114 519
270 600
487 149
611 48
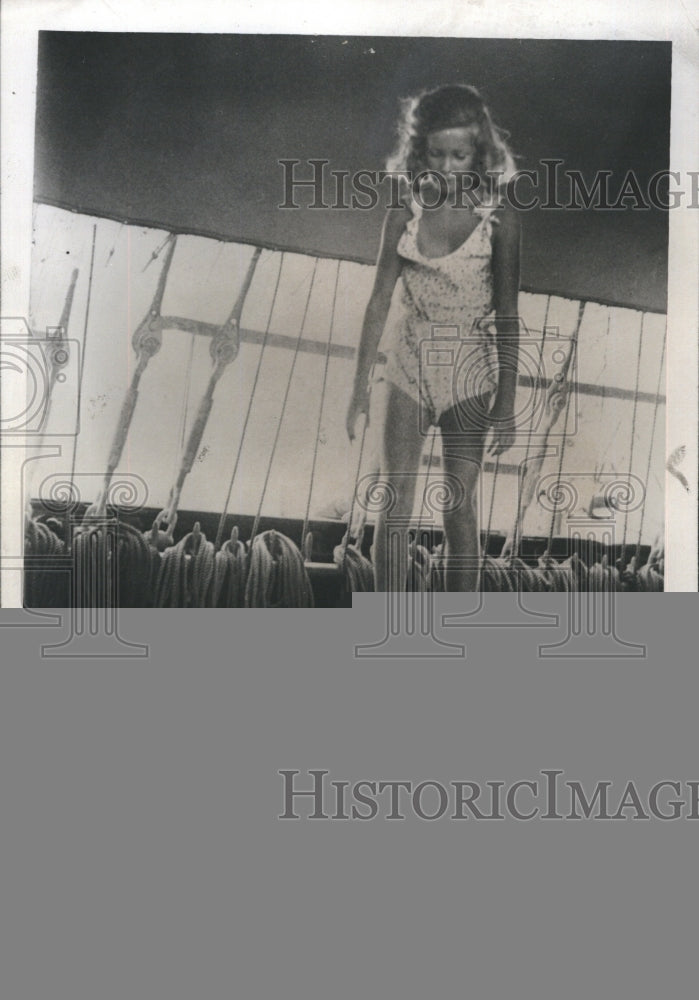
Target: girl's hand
359 403
502 420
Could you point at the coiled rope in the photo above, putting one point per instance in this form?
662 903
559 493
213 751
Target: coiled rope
186 575
230 573
277 576
187 569
41 545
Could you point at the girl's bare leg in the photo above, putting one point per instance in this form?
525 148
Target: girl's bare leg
463 440
401 450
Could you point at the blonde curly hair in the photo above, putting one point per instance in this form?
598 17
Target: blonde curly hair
451 106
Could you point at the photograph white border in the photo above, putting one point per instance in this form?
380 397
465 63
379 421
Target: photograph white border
21 20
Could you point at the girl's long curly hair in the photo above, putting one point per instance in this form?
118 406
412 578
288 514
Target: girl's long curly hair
451 106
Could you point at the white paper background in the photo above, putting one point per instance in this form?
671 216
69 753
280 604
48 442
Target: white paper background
21 20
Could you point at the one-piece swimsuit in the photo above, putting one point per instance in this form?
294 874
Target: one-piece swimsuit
440 345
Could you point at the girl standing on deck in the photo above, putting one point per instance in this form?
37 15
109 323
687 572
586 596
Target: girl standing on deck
454 243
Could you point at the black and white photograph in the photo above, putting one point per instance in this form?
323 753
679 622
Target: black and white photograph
381 309
318 314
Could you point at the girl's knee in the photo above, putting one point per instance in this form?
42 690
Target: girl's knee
462 520
395 494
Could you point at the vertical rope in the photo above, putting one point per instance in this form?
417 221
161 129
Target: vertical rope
492 506
116 240
256 522
603 407
322 403
224 512
564 439
346 539
633 426
652 440
185 404
613 434
430 459
68 539
516 532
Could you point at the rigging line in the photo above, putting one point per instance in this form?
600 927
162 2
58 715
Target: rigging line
350 516
224 512
516 530
418 526
564 438
116 240
68 538
605 453
284 402
412 563
633 425
652 440
156 253
185 403
222 350
492 505
322 402
603 407
215 260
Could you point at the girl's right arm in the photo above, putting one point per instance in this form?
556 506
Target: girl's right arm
388 269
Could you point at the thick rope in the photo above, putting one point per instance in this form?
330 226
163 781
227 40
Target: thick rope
277 576
356 569
186 575
224 349
146 341
40 543
82 367
108 561
185 403
230 573
224 512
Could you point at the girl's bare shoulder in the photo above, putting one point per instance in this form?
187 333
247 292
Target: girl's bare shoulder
394 223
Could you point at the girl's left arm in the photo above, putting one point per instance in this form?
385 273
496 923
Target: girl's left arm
506 243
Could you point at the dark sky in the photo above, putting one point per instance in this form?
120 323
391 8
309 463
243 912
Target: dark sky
186 131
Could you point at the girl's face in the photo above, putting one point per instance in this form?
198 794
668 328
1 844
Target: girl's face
452 150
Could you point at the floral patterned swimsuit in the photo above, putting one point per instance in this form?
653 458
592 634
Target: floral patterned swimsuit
441 348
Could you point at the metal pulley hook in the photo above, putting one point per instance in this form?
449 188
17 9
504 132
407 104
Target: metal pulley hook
225 344
224 349
146 341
